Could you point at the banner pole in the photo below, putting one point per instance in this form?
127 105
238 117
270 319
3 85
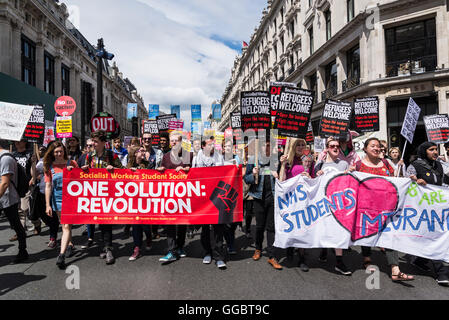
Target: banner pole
403 151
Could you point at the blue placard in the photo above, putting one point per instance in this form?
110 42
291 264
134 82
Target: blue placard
153 111
132 111
216 111
207 125
195 127
196 112
175 109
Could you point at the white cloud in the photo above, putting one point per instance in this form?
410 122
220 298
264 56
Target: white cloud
165 47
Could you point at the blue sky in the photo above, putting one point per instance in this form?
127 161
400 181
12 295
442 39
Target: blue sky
174 51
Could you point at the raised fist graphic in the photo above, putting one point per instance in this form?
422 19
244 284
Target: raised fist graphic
224 198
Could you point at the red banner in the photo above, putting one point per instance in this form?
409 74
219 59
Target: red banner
201 196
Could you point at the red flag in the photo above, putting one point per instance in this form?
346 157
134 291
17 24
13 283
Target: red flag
244 44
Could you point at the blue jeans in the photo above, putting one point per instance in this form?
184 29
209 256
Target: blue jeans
90 231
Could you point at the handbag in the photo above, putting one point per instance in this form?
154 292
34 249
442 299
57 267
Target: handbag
35 203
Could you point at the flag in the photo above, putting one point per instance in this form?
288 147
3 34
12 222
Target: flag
244 44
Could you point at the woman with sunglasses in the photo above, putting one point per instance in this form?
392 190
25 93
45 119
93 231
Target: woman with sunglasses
333 163
374 164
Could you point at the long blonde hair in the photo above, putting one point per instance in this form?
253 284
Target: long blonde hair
292 151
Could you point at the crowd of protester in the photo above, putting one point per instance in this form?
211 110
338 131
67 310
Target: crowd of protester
43 167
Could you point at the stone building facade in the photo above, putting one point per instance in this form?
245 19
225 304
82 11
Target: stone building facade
345 49
40 47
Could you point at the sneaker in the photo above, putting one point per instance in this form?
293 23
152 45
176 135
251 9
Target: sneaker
52 243
103 255
341 267
88 244
149 244
420 264
13 238
21 257
109 257
323 256
70 251
136 254
207 259
221 264
168 258
60 262
181 253
443 280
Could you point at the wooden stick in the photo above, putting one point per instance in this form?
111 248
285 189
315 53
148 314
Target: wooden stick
256 149
286 152
402 158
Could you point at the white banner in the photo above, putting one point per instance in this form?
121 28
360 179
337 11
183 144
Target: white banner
340 210
13 120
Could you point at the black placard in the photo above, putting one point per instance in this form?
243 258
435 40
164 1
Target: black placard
236 120
294 111
366 114
150 126
437 128
164 120
275 93
35 129
335 119
255 110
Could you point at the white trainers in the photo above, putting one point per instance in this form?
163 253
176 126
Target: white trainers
221 264
207 259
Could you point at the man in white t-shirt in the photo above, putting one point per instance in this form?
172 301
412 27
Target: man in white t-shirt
9 198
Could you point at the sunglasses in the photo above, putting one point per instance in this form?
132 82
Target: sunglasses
335 146
146 139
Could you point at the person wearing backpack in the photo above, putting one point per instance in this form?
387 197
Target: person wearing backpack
9 198
55 161
102 158
428 170
25 158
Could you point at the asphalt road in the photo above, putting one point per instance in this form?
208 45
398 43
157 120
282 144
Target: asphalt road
188 278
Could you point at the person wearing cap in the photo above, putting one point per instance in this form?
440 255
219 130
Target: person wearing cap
428 170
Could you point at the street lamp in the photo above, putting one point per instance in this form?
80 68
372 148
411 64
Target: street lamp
101 54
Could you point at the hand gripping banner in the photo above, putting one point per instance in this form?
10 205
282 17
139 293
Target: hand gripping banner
340 210
201 196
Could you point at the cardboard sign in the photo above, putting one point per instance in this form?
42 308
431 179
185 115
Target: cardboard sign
202 196
319 144
294 112
106 122
35 129
410 120
255 110
163 121
236 120
63 127
65 106
49 133
310 136
13 120
335 119
150 126
437 128
366 114
175 125
275 94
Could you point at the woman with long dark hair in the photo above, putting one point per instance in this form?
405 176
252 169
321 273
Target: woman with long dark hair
55 161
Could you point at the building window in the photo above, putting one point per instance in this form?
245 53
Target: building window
411 48
351 9
65 79
292 28
28 61
328 25
312 48
330 81
353 68
49 73
313 84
